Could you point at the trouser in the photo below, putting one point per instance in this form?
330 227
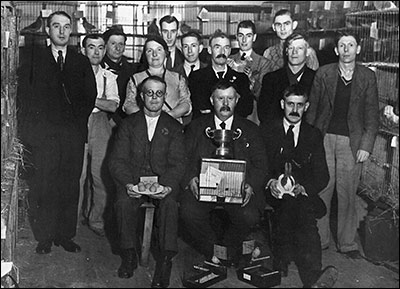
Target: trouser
54 184
166 222
296 237
195 216
345 173
99 135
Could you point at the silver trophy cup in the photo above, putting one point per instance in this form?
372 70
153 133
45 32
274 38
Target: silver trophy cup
223 138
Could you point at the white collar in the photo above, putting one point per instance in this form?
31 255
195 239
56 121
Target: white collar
228 122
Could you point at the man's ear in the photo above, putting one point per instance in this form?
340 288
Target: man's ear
306 106
254 37
295 23
282 104
209 50
201 47
142 96
336 51
358 49
47 30
212 100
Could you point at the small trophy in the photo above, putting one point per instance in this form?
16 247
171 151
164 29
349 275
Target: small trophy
223 138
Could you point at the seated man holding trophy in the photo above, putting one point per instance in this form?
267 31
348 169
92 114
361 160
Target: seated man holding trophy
226 167
147 161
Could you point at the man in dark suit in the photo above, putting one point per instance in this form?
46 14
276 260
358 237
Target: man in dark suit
169 31
148 143
202 80
195 215
299 172
56 94
274 83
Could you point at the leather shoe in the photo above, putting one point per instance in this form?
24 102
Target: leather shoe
327 278
128 264
162 273
68 245
43 247
354 254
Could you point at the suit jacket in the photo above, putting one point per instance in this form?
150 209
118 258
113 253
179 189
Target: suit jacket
259 67
202 81
50 100
182 71
273 85
248 147
363 113
309 167
167 155
179 59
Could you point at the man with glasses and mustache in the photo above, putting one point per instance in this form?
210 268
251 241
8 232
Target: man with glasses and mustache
195 215
149 142
295 149
274 83
201 81
284 26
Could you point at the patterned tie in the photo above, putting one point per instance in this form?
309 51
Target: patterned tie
222 125
243 56
60 60
220 74
288 143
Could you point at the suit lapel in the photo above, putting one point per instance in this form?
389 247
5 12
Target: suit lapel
140 128
356 86
331 79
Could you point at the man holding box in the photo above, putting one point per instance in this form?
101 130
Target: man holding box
248 147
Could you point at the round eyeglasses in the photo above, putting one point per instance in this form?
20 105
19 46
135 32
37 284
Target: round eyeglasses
151 93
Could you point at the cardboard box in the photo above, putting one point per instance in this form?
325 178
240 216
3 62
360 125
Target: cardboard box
204 275
258 275
221 180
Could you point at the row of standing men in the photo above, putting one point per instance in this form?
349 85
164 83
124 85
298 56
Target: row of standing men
56 107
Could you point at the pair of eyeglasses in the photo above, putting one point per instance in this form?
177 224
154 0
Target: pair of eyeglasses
158 93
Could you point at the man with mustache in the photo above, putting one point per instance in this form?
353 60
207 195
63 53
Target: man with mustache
249 147
293 145
201 81
274 83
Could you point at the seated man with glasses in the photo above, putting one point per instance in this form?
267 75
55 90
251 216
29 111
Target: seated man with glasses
149 142
284 26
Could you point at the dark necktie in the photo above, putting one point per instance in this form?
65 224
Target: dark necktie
288 143
222 125
243 56
169 62
60 60
220 74
191 68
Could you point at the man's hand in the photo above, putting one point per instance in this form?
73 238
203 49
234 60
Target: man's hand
273 187
362 156
194 186
248 190
130 192
165 192
299 190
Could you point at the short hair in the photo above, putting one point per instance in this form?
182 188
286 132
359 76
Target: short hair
91 36
224 84
152 77
192 33
62 13
113 31
292 37
218 34
169 19
340 34
158 39
295 89
247 24
282 12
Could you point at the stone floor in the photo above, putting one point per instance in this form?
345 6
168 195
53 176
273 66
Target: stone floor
96 267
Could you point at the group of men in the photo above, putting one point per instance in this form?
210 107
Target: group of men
322 124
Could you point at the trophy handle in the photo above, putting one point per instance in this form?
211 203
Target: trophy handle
237 134
209 132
